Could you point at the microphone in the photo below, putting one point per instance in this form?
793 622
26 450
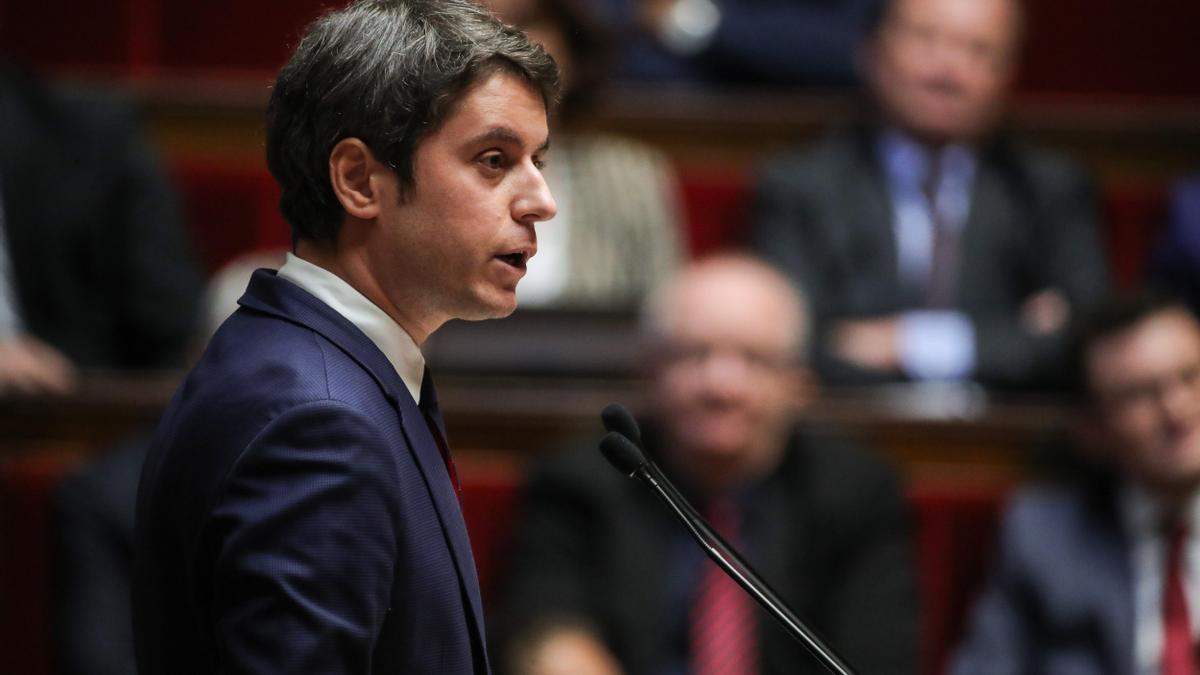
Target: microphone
623 454
621 447
616 418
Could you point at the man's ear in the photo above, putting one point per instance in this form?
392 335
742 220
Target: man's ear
351 165
803 387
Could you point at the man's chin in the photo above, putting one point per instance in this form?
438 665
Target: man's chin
496 304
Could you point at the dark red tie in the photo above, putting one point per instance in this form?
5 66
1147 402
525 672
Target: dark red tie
723 637
1178 655
433 418
942 289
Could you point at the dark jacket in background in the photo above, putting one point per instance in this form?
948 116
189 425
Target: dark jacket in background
93 563
828 530
824 216
103 268
1060 598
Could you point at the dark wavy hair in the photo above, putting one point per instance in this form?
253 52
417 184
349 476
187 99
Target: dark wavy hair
388 72
1118 313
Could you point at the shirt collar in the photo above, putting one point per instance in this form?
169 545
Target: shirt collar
397 345
907 161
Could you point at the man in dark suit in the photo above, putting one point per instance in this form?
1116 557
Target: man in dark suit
933 246
96 270
298 510
1099 576
605 579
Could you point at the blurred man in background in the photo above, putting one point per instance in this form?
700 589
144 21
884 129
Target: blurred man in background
1101 575
605 579
96 270
933 245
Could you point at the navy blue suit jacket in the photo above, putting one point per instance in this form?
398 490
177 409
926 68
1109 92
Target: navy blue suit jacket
295 514
1060 600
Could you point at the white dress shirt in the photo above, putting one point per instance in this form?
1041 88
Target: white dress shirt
397 345
10 315
1142 516
933 344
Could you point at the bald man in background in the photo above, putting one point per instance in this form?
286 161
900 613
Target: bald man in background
606 581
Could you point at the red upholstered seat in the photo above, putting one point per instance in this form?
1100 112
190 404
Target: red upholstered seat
1133 213
26 486
230 210
717 209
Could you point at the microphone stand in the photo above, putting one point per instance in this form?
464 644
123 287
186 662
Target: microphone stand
632 461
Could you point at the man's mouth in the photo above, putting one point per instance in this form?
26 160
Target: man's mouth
516 259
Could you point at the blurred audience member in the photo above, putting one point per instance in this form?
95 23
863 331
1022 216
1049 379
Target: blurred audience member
619 227
93 563
1175 263
94 523
738 42
95 267
1102 576
934 246
604 575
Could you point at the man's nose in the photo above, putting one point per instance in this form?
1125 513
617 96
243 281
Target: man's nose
1179 400
534 203
726 374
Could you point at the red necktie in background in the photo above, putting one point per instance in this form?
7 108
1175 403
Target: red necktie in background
723 630
942 289
1178 656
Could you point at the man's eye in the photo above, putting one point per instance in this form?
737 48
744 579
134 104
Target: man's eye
493 161
539 163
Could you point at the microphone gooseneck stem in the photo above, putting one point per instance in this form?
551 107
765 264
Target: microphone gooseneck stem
719 551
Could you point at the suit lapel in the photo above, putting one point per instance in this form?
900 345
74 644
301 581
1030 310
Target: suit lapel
982 237
278 297
1114 589
445 501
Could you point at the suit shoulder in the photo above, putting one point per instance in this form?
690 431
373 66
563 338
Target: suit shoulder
820 161
1044 167
258 365
830 454
1052 520
579 466
1046 506
843 475
251 349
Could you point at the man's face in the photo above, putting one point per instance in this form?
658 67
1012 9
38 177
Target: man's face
940 68
463 233
726 382
1146 384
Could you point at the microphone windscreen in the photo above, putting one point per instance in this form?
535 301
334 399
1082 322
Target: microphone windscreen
617 418
622 453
